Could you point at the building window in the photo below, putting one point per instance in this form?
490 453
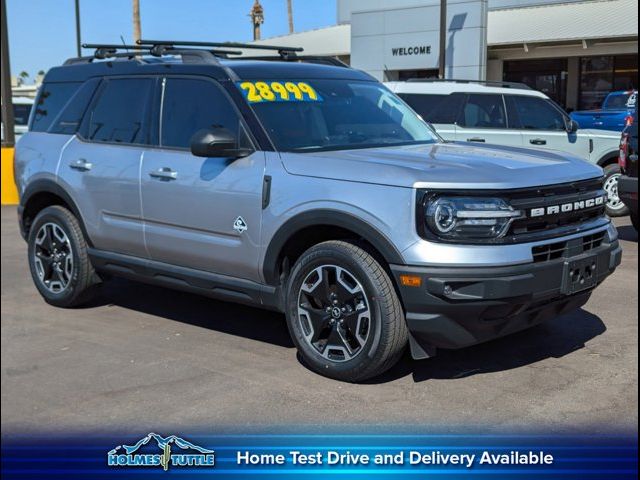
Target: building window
547 75
602 75
404 75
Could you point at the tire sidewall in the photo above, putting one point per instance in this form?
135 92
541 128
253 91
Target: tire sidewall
325 255
56 216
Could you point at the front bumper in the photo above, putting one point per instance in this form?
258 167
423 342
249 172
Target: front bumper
456 307
628 192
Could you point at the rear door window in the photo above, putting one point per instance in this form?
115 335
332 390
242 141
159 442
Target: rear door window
52 98
483 111
121 112
438 109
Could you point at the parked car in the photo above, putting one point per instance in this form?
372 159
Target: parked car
512 114
628 184
21 111
305 188
615 113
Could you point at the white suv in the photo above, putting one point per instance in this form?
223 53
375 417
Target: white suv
514 115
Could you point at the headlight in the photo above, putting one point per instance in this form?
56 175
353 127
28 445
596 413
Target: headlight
460 218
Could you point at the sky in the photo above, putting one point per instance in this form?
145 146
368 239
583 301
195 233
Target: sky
42 32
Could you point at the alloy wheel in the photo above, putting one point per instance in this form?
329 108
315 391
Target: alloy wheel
53 257
611 187
334 313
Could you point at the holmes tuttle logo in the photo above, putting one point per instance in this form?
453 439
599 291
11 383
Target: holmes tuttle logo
190 455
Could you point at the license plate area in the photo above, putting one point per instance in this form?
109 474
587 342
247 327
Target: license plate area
579 275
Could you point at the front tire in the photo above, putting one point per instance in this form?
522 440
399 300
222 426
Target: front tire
58 258
343 313
615 206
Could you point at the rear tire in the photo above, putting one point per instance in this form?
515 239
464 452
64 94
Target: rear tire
58 258
343 313
615 206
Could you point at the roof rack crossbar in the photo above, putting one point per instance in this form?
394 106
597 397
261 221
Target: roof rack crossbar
135 52
183 43
156 49
493 83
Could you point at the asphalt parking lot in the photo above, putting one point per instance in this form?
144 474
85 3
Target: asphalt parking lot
142 357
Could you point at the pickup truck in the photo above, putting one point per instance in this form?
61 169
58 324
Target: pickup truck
615 113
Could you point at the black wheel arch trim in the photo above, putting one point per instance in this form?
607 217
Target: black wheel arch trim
606 159
324 217
49 186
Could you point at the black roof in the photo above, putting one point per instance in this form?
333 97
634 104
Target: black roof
224 70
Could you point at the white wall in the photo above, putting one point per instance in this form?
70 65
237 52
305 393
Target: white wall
376 33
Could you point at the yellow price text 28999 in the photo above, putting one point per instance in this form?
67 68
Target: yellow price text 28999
279 91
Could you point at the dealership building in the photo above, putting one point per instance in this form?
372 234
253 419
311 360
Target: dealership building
574 51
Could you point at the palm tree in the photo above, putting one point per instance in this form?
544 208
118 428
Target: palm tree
137 30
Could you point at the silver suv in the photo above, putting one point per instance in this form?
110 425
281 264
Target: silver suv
306 188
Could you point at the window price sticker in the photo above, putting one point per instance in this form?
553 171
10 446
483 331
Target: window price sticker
265 91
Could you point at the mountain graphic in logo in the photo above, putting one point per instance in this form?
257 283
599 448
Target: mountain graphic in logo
188 455
162 443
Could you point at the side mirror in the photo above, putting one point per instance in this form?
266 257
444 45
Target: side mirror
572 126
217 142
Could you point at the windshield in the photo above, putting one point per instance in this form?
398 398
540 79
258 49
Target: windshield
315 115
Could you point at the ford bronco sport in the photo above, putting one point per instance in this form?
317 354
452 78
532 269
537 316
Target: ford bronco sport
304 186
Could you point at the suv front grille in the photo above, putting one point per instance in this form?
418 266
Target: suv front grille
555 195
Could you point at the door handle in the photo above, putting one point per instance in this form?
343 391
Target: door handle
537 141
164 174
81 164
476 139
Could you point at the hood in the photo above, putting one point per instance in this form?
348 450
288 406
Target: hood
444 165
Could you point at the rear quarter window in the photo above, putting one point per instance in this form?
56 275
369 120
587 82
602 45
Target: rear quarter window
68 122
53 96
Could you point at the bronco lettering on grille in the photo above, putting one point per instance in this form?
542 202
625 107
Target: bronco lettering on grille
568 207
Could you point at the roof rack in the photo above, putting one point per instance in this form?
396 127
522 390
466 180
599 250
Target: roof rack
489 83
205 52
285 53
